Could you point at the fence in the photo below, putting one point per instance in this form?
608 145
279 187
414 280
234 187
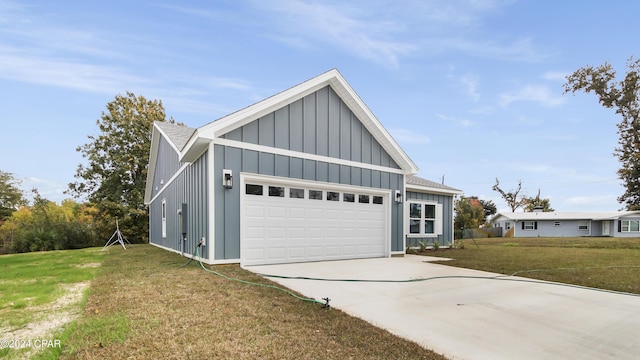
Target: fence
482 233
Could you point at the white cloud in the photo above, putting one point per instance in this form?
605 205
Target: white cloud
555 76
64 73
48 189
471 84
592 203
534 93
358 30
409 137
457 121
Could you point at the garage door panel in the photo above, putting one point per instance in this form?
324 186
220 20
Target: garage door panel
282 229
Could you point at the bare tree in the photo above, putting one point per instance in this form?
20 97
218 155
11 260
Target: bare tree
511 197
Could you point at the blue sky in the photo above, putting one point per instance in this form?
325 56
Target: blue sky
471 89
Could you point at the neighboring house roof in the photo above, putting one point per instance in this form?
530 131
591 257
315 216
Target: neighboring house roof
198 143
579 215
420 184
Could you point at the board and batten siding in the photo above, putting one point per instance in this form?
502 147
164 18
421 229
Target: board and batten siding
321 124
446 237
189 187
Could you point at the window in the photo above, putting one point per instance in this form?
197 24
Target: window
430 218
583 225
630 225
333 196
529 225
315 194
377 199
557 223
507 225
348 197
363 199
296 193
277 191
425 219
164 218
252 189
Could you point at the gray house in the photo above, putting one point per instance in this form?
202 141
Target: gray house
308 174
571 224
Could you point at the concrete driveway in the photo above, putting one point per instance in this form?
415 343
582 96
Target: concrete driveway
469 315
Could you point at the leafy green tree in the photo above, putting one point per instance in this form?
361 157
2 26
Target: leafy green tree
623 96
489 208
536 202
11 197
513 198
48 226
114 178
469 213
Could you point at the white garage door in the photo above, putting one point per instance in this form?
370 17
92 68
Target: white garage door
290 223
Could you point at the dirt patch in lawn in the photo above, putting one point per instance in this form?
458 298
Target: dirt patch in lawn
50 317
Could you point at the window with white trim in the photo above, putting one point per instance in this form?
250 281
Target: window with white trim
164 218
630 225
583 225
425 218
529 225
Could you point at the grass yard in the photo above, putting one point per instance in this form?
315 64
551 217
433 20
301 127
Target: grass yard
604 263
144 304
40 292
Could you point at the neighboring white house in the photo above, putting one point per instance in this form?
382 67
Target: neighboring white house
561 224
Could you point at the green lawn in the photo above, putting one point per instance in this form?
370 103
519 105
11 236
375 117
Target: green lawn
605 263
145 304
37 287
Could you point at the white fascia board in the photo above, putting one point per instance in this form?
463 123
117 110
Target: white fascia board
303 155
153 158
429 189
196 146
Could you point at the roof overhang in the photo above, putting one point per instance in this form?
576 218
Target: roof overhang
432 190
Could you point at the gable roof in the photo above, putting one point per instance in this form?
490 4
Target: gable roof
199 141
420 184
579 215
176 135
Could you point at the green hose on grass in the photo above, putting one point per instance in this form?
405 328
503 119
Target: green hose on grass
496 277
196 255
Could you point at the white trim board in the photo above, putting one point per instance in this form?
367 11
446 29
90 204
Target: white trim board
303 155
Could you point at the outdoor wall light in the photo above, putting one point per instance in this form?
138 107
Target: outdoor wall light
398 196
227 178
